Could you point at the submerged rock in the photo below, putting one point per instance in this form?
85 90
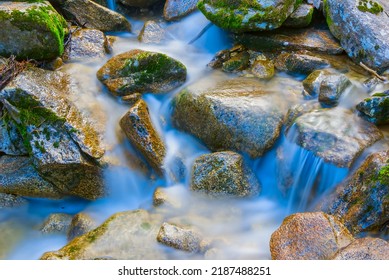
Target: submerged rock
139 129
326 134
251 15
133 233
92 15
376 108
176 9
301 17
31 30
362 28
364 249
309 236
362 201
10 200
152 33
80 224
223 174
56 223
179 238
142 71
239 115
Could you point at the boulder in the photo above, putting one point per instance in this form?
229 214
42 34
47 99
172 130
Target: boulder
152 33
223 174
176 9
367 248
263 69
56 223
296 63
239 115
247 15
11 142
362 200
133 233
139 129
325 133
11 201
361 27
80 224
301 17
179 237
331 89
238 62
142 71
31 30
309 236
375 108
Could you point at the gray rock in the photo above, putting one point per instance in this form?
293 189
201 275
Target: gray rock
309 236
152 33
80 224
19 177
318 4
301 17
11 142
139 129
331 89
56 223
364 249
223 174
138 3
302 63
375 108
362 200
326 134
176 9
10 200
238 115
361 27
179 238
86 44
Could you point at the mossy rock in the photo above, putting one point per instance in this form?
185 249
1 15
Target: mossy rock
301 17
31 30
376 108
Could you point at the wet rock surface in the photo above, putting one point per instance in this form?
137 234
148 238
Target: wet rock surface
80 224
56 223
302 63
152 33
301 17
176 9
10 201
364 249
179 237
375 108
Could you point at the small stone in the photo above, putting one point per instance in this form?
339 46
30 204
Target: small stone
179 238
80 224
331 89
376 108
301 17
57 223
152 33
176 9
237 62
263 69
304 64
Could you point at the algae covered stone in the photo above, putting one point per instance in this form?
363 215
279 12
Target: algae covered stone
31 30
247 15
142 71
376 108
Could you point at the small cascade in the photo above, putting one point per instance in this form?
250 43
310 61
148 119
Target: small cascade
111 4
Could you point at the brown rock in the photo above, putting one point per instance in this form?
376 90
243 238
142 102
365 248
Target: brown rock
179 238
367 248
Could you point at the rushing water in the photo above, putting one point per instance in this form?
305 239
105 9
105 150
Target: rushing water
291 178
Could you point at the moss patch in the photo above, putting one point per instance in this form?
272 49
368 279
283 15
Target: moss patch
370 7
383 175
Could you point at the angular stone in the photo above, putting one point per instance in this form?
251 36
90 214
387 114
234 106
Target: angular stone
332 88
301 17
238 62
152 33
80 224
56 223
179 238
176 9
263 69
364 249
303 64
376 108
11 201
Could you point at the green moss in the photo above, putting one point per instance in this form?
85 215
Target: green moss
379 94
145 226
56 144
370 6
383 175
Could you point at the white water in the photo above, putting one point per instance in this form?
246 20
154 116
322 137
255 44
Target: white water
244 226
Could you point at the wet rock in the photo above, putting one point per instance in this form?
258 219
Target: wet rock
86 44
138 3
376 108
176 9
31 30
318 4
238 115
309 236
142 71
89 14
362 201
310 39
131 99
301 17
223 174
326 134
364 249
11 201
80 224
133 233
312 83
19 177
263 69
243 16
237 62
139 129
179 238
303 64
361 27
152 33
63 142
11 142
331 89
56 223
162 196
371 83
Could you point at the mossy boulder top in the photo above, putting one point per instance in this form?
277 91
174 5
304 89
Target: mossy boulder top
139 71
247 15
31 30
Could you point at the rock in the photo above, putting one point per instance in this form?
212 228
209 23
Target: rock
238 62
19 177
10 200
63 142
364 249
318 4
31 30
309 236
12 234
92 15
179 238
312 83
139 129
376 108
326 134
142 71
362 200
310 39
263 69
223 174
11 142
331 89
138 3
56 223
152 33
302 63
80 224
133 233
86 44
162 196
361 27
176 9
371 83
243 15
238 115
301 17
